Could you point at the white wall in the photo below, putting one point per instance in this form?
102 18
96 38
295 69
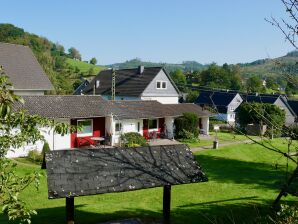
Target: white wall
205 125
129 125
169 121
163 99
56 142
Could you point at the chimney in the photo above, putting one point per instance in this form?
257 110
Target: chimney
141 69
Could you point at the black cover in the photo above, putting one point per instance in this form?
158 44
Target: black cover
82 172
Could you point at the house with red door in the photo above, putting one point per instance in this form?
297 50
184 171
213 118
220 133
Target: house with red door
102 119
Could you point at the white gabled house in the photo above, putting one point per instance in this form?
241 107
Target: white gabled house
142 83
102 118
223 103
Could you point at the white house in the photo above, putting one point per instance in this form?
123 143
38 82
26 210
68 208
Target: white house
102 118
224 103
142 83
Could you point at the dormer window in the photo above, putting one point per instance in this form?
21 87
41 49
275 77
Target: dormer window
161 84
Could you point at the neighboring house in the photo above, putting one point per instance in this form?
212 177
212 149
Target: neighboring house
294 105
142 83
81 87
24 71
101 118
224 104
275 99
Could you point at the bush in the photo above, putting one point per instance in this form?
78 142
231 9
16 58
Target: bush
35 156
293 132
187 126
133 139
188 137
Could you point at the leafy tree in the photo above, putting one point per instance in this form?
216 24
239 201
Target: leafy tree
11 184
254 84
93 61
225 77
291 88
261 113
178 77
271 83
74 53
192 96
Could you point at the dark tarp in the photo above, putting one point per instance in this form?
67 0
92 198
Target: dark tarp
95 171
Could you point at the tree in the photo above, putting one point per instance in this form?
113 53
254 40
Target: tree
178 77
11 184
192 96
271 83
225 77
261 113
93 61
74 53
254 84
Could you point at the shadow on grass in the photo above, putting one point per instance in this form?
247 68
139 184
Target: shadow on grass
241 172
205 213
214 213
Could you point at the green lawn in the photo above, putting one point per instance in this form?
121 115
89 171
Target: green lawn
222 138
83 66
243 182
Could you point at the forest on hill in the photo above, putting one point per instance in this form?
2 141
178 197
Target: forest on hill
66 69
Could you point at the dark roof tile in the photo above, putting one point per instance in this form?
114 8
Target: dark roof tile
22 68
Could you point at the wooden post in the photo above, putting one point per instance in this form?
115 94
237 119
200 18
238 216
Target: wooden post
70 210
166 204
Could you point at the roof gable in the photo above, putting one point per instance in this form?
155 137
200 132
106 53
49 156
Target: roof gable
171 88
216 99
22 68
294 105
128 81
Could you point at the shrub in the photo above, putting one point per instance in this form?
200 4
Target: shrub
186 124
188 137
293 132
133 139
35 156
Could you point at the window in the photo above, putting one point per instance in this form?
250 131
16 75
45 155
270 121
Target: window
232 108
158 84
118 127
86 128
152 124
161 84
139 126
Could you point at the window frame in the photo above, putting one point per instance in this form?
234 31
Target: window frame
121 127
157 125
161 82
89 134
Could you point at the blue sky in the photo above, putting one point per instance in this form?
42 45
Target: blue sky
172 31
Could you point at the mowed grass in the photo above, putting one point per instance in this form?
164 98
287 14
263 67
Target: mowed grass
243 181
83 66
222 137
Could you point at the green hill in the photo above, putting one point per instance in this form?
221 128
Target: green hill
84 66
63 71
276 68
186 66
